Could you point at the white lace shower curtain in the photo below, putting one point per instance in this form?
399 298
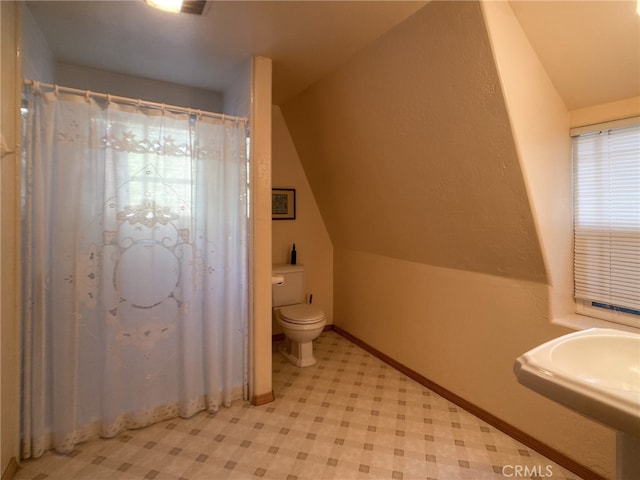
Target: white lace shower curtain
135 267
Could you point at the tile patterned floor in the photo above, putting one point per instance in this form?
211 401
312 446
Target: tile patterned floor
348 416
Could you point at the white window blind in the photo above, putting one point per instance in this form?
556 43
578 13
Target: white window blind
607 219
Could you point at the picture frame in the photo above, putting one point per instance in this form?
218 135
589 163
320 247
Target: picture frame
283 203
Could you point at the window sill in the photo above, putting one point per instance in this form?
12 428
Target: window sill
583 322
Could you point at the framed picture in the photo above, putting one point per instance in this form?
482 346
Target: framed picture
283 203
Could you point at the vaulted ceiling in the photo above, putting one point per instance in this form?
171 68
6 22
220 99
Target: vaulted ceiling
591 49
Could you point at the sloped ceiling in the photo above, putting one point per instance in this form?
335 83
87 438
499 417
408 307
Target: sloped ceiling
409 151
590 48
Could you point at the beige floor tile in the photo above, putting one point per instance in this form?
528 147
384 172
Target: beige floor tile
350 416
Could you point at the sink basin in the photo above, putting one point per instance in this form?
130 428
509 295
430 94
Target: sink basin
617 367
595 372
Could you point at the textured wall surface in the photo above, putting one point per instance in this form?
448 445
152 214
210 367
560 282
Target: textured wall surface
260 120
307 231
409 152
438 209
9 236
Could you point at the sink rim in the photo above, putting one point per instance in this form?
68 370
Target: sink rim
613 407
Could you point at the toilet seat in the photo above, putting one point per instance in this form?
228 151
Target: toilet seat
301 314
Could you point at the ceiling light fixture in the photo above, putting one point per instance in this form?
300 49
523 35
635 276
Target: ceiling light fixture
173 6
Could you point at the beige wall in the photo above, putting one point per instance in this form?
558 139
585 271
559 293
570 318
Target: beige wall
307 231
464 330
9 179
442 208
539 122
38 61
628 107
237 95
260 119
540 125
87 78
398 150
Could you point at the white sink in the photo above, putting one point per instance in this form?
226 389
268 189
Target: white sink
595 372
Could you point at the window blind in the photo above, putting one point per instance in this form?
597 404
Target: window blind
607 217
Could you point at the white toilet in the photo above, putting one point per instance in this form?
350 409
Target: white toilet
301 322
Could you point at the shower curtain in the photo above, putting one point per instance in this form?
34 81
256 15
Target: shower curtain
135 290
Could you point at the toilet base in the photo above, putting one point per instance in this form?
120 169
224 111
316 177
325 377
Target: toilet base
298 353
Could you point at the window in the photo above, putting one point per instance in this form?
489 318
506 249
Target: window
606 171
158 160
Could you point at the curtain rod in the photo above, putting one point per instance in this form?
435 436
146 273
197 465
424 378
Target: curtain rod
130 101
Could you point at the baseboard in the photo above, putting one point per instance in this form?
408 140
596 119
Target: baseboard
533 443
258 400
11 469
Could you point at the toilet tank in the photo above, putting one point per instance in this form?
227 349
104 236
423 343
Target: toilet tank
292 291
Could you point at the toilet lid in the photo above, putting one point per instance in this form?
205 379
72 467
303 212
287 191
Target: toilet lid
303 313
